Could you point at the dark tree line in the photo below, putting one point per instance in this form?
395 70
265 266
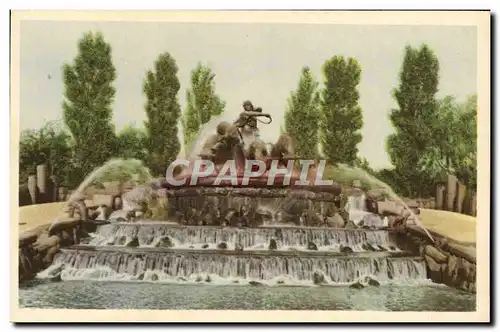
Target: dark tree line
432 137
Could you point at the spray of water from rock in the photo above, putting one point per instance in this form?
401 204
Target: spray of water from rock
111 165
366 177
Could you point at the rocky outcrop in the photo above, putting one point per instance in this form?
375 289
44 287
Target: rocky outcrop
38 248
445 267
448 262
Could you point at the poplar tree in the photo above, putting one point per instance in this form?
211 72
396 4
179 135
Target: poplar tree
202 102
414 119
87 108
302 115
163 111
341 116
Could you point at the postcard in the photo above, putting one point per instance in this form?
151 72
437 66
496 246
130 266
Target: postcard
250 166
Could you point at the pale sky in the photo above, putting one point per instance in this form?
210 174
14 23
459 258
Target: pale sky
260 62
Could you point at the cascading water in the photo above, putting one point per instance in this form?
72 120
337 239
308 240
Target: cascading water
287 238
363 175
158 266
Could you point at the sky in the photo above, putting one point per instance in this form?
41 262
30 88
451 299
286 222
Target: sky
255 61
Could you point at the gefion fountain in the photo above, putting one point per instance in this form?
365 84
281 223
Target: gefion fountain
260 233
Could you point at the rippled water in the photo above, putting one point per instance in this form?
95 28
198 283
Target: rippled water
120 295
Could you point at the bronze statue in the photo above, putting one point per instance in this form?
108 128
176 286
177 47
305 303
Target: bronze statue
228 142
222 129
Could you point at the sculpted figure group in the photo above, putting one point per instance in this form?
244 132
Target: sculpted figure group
241 139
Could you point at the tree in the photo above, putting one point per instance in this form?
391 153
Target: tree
341 116
89 96
202 102
50 145
131 143
414 118
302 115
161 86
362 162
454 148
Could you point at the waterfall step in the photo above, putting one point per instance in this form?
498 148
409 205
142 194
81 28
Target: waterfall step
275 253
85 263
208 237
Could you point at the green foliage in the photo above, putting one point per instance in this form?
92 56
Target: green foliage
454 148
87 109
302 115
131 143
393 179
345 177
50 145
362 162
413 120
341 116
202 102
163 111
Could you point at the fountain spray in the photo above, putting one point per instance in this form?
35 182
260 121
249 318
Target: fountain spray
362 174
98 172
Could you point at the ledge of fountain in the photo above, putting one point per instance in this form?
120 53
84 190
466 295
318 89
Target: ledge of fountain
254 183
310 193
253 253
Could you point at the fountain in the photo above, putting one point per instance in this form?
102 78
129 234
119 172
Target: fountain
252 232
264 223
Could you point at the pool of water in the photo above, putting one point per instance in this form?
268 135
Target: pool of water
128 295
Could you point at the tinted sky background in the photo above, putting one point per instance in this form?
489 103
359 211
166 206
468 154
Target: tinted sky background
260 62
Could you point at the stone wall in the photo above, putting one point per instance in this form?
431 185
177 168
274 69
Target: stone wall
38 248
448 262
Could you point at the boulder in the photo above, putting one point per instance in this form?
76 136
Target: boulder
222 246
102 200
436 254
318 278
346 249
204 246
372 282
368 247
255 283
273 245
357 285
335 221
46 241
350 225
117 203
389 208
154 277
164 242
312 246
133 243
118 216
103 212
208 279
